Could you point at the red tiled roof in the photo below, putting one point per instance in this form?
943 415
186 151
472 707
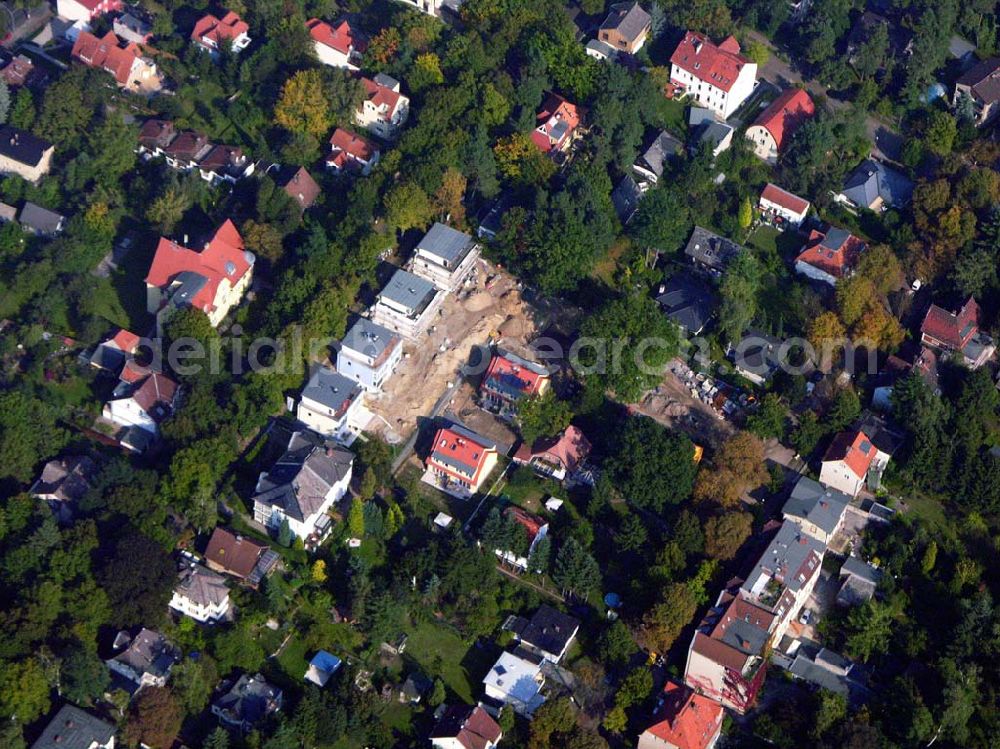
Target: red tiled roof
352 144
381 95
687 720
210 27
234 554
471 727
742 610
452 447
854 449
719 65
786 113
106 53
555 110
531 523
133 371
569 449
954 330
719 652
155 395
513 375
302 188
224 257
125 340
837 261
785 199
342 38
16 72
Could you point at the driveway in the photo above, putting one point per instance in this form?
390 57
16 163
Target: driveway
24 22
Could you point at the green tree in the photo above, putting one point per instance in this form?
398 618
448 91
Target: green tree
29 432
138 579
356 519
84 677
769 419
408 207
929 558
663 220
22 114
302 105
940 133
438 694
652 466
725 534
739 290
426 72
662 624
154 718
24 690
575 571
616 646
192 683
542 416
737 467
807 433
745 217
168 208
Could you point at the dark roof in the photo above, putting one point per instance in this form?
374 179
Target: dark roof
73 728
471 727
412 292
873 179
759 353
820 505
687 302
660 151
858 568
710 249
549 630
451 245
236 554
42 220
299 481
249 700
625 198
629 19
983 79
332 390
21 146
369 338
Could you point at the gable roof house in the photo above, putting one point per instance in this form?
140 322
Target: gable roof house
211 33
351 153
758 356
445 257
958 332
246 702
111 354
369 354
85 10
624 30
141 406
859 581
829 256
654 160
687 302
547 634
851 462
73 728
625 198
715 76
41 221
302 486
185 151
146 661
212 280
780 207
123 60
535 529
710 252
63 483
200 594
775 125
460 461
900 39
875 186
407 304
331 404
981 86
558 121
465 727
322 667
911 357
516 679
509 378
556 457
340 46
24 154
384 110
684 720
20 70
240 557
298 184
134 25
818 510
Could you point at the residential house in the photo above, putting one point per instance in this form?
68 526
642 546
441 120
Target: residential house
436 8
24 154
298 184
407 304
778 122
340 46
558 121
124 60
556 457
247 702
535 530
465 727
85 10
351 153
709 252
625 198
445 257
322 667
782 208
548 634
958 332
185 151
331 404
134 25
715 76
200 594
859 581
684 720
728 655
758 356
875 186
709 133
211 33
911 357
63 483
302 486
654 160
817 509
460 461
142 405
687 302
212 280
626 28
852 461
978 90
828 670
510 378
41 221
516 679
369 354
492 217
146 660
829 256
384 110
240 557
866 27
20 71
112 354
73 728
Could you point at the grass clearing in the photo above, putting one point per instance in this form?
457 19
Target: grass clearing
293 660
438 649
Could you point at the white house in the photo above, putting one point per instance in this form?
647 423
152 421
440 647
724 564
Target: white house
369 354
776 124
516 681
338 46
445 257
85 10
715 76
200 594
465 727
143 406
852 460
781 207
146 660
210 33
331 404
384 110
407 304
302 486
818 510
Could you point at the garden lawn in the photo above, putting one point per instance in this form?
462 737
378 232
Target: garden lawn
293 659
441 652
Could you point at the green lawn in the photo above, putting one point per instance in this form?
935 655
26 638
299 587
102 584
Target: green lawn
527 489
670 114
293 659
768 239
440 651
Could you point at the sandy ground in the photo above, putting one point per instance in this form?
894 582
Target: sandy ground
671 404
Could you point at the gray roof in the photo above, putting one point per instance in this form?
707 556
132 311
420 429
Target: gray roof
710 249
332 389
625 198
785 557
629 19
185 286
817 504
201 586
859 568
873 179
700 115
149 653
299 481
73 728
823 668
451 245
687 302
746 637
760 353
369 338
410 291
249 700
659 152
41 219
549 630
714 133
602 48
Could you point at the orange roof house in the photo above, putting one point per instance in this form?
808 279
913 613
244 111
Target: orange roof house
210 32
340 46
460 460
351 152
780 206
772 129
829 256
558 120
958 331
851 461
685 720
509 378
123 60
212 280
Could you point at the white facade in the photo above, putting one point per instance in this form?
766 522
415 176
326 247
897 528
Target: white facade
707 94
126 412
73 10
509 557
764 145
200 611
271 516
384 110
793 218
368 359
438 271
817 274
407 322
320 418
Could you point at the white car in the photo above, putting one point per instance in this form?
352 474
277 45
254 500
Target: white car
805 617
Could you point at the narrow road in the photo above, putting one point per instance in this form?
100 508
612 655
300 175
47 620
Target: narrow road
407 449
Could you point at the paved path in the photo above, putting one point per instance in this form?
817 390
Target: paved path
24 22
445 398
